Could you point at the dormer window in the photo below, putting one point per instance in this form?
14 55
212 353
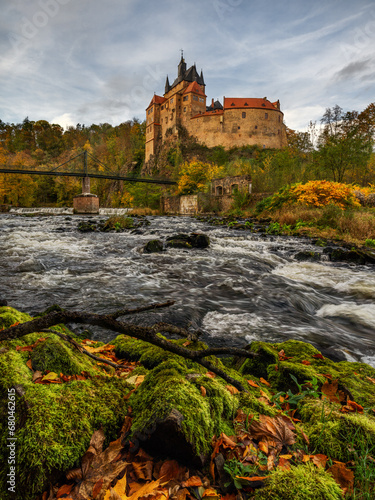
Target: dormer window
246 104
232 104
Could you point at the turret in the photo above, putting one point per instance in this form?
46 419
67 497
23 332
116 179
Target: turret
182 67
167 86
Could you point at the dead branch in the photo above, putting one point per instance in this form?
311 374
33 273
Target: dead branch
147 334
157 305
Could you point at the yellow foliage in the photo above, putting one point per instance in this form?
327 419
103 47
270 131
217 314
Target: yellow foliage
195 176
320 193
127 199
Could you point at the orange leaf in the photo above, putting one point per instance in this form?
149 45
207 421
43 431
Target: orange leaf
351 406
252 383
318 356
287 457
306 362
330 390
263 447
305 458
169 470
211 493
64 490
252 479
29 364
15 324
264 382
264 394
284 463
211 374
192 481
371 379
344 477
232 389
319 460
203 391
97 488
277 431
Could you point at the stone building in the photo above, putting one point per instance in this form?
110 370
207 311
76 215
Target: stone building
238 121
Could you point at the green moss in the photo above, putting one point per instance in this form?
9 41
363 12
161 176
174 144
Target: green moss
257 366
9 316
335 433
54 356
54 422
166 387
250 403
304 482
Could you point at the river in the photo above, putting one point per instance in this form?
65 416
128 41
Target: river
244 287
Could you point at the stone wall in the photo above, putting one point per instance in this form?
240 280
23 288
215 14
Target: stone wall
227 185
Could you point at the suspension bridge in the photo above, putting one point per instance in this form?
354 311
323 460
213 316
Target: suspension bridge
78 166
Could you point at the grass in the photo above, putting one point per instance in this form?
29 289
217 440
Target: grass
356 226
144 211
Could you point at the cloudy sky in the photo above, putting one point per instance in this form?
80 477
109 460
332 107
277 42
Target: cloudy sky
96 61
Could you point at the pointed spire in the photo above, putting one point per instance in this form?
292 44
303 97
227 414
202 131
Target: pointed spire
167 86
202 79
182 65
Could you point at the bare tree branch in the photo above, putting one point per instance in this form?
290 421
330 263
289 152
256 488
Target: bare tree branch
157 305
147 334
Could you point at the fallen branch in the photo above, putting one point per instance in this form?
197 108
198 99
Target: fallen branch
147 334
125 312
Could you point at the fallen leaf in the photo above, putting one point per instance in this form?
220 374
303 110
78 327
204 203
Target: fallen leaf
284 464
203 391
306 362
169 470
329 389
282 356
232 389
276 431
319 460
182 493
211 374
287 457
371 379
318 356
264 395
64 490
305 437
344 477
351 406
210 493
192 481
252 479
97 488
263 447
264 382
36 375
185 344
120 488
29 364
305 458
139 380
50 376
252 383
103 348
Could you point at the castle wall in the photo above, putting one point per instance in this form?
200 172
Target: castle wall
239 127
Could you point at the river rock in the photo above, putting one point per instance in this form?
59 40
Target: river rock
153 246
305 255
193 240
3 302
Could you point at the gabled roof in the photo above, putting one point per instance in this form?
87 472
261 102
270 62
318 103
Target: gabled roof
194 87
252 102
188 75
157 99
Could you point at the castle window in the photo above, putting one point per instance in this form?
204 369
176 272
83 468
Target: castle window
243 114
185 109
266 115
234 188
246 104
195 97
172 100
150 111
238 127
232 104
219 190
186 97
162 107
201 99
256 126
166 120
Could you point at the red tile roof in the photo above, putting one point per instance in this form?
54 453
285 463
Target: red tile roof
194 87
157 99
242 102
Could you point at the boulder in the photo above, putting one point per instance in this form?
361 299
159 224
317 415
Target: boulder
153 246
193 240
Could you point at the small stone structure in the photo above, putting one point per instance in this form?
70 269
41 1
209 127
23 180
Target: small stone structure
86 203
220 197
228 185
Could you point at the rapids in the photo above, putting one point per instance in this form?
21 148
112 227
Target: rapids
244 287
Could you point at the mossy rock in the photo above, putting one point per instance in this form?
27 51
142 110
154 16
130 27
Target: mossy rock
167 388
56 357
304 482
54 422
337 434
9 316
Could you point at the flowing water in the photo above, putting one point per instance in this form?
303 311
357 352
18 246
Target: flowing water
244 287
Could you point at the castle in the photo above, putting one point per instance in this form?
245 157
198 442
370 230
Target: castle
238 121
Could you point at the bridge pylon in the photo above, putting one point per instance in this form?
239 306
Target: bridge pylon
86 203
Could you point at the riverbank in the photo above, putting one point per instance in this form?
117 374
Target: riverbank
303 427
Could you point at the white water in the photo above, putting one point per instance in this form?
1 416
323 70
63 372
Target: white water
243 288
66 211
